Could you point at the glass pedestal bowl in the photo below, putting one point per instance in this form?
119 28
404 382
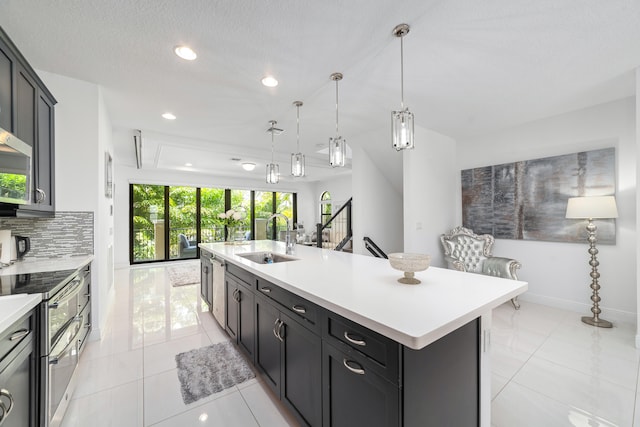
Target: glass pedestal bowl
409 264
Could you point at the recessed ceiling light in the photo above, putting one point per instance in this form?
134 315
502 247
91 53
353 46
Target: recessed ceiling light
185 52
169 116
188 165
269 81
248 166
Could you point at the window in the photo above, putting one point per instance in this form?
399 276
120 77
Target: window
168 222
325 207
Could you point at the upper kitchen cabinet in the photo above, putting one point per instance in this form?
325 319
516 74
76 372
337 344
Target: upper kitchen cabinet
27 111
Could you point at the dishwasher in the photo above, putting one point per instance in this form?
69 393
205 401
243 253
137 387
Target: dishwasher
217 289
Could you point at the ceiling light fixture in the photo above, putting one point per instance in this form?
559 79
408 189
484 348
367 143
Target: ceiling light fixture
248 166
188 164
297 159
273 170
169 116
269 81
402 120
337 146
185 52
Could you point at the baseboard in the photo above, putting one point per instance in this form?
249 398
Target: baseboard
611 314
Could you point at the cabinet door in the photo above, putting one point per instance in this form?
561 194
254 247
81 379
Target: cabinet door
25 108
232 308
17 377
6 89
354 395
205 273
246 321
302 372
268 357
44 157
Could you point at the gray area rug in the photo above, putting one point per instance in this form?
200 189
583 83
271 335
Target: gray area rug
211 369
184 275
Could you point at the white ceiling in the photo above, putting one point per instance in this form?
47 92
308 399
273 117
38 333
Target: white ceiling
470 67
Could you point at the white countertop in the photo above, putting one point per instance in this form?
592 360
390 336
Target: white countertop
13 307
50 264
365 289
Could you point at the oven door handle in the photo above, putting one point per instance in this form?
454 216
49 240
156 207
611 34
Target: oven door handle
73 288
53 360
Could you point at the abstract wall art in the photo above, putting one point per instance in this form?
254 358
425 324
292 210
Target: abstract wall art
527 200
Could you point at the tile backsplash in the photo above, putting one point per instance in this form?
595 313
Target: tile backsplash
66 234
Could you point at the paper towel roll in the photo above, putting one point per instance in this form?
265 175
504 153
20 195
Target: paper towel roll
5 246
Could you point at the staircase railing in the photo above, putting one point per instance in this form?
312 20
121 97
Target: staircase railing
373 248
339 226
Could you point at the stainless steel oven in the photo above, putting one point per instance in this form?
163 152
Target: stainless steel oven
64 328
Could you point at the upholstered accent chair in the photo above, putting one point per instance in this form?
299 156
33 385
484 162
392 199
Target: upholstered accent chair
466 251
187 249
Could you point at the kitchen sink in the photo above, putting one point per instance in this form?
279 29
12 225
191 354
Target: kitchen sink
267 257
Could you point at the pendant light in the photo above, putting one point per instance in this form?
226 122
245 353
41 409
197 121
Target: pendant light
337 145
273 170
402 120
297 159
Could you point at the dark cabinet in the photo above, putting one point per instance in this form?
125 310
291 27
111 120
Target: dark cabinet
206 278
18 376
27 111
289 355
240 314
354 394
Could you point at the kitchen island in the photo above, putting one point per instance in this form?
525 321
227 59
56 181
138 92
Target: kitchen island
426 345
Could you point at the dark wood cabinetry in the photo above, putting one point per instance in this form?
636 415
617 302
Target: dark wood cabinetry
18 375
330 371
27 111
206 278
240 314
289 355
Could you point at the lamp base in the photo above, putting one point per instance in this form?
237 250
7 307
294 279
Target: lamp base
600 323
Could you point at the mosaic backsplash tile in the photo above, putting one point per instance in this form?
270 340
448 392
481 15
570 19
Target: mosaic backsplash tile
67 234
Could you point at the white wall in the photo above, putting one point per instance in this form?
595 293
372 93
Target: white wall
127 174
83 134
637 205
377 206
431 184
558 273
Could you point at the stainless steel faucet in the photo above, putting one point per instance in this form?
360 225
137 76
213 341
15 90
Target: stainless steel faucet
289 243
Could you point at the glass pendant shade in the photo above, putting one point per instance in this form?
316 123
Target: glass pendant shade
297 164
337 152
402 129
273 173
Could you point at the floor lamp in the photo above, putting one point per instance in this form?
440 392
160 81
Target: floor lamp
591 208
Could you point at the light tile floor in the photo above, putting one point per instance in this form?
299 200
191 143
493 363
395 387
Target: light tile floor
548 369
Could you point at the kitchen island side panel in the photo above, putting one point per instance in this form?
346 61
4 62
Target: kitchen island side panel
442 380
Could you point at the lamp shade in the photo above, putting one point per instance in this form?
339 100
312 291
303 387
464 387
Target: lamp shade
592 207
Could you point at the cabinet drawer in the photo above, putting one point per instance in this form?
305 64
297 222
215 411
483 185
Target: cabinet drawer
384 352
241 274
295 304
14 335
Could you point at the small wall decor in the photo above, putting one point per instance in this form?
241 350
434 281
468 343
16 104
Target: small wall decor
527 200
108 175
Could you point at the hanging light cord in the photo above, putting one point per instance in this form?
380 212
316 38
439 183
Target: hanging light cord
272 144
298 126
401 73
337 133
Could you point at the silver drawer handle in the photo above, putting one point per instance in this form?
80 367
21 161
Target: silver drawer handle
358 371
4 392
266 290
4 412
299 309
40 195
353 340
19 334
